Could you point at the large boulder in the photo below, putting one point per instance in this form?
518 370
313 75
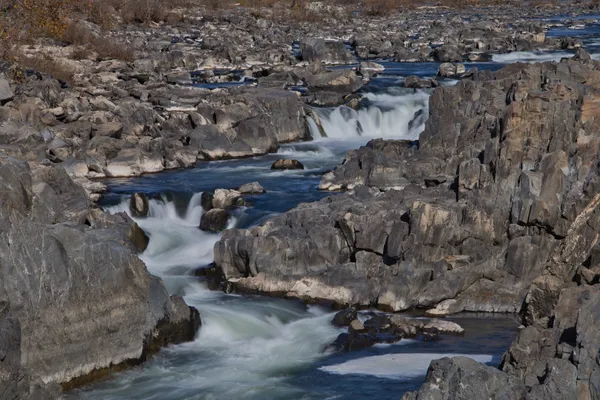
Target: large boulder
287 164
461 378
327 52
345 81
251 188
214 220
84 301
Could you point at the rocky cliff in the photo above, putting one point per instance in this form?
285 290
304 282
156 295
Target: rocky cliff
494 209
76 300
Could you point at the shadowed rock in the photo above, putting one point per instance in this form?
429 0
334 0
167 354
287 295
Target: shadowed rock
287 164
214 220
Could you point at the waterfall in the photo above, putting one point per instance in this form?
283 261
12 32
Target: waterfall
386 116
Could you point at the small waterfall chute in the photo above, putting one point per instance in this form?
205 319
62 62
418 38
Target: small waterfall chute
385 116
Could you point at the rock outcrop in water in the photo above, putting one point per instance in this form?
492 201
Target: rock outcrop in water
388 329
76 300
494 209
494 191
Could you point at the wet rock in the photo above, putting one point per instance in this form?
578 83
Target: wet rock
345 81
214 220
138 204
571 43
223 198
139 238
287 164
418 83
443 326
368 69
356 326
407 328
344 318
251 188
206 200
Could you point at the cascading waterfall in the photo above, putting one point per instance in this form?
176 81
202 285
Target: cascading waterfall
252 342
389 116
253 347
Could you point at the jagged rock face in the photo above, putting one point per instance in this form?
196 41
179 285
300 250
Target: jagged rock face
17 382
563 350
460 378
497 191
553 359
82 298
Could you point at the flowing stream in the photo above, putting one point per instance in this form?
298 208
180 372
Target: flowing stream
252 347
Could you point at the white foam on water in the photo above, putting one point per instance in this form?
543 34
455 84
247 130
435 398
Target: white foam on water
395 366
387 116
530 56
312 151
245 348
175 240
403 342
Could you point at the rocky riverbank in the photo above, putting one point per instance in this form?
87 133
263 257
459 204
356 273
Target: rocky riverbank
158 111
493 209
76 300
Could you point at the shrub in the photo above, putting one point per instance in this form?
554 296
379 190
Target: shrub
81 53
47 65
108 48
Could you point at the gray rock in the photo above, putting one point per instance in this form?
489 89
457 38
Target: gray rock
179 78
447 53
328 52
462 378
6 92
251 188
369 69
440 235
344 318
112 129
345 81
287 164
207 201
214 220
138 204
86 273
223 198
582 55
418 83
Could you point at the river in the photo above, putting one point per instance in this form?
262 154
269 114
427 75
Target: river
252 347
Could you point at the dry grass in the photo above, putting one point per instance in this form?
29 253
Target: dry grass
47 65
81 53
107 48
